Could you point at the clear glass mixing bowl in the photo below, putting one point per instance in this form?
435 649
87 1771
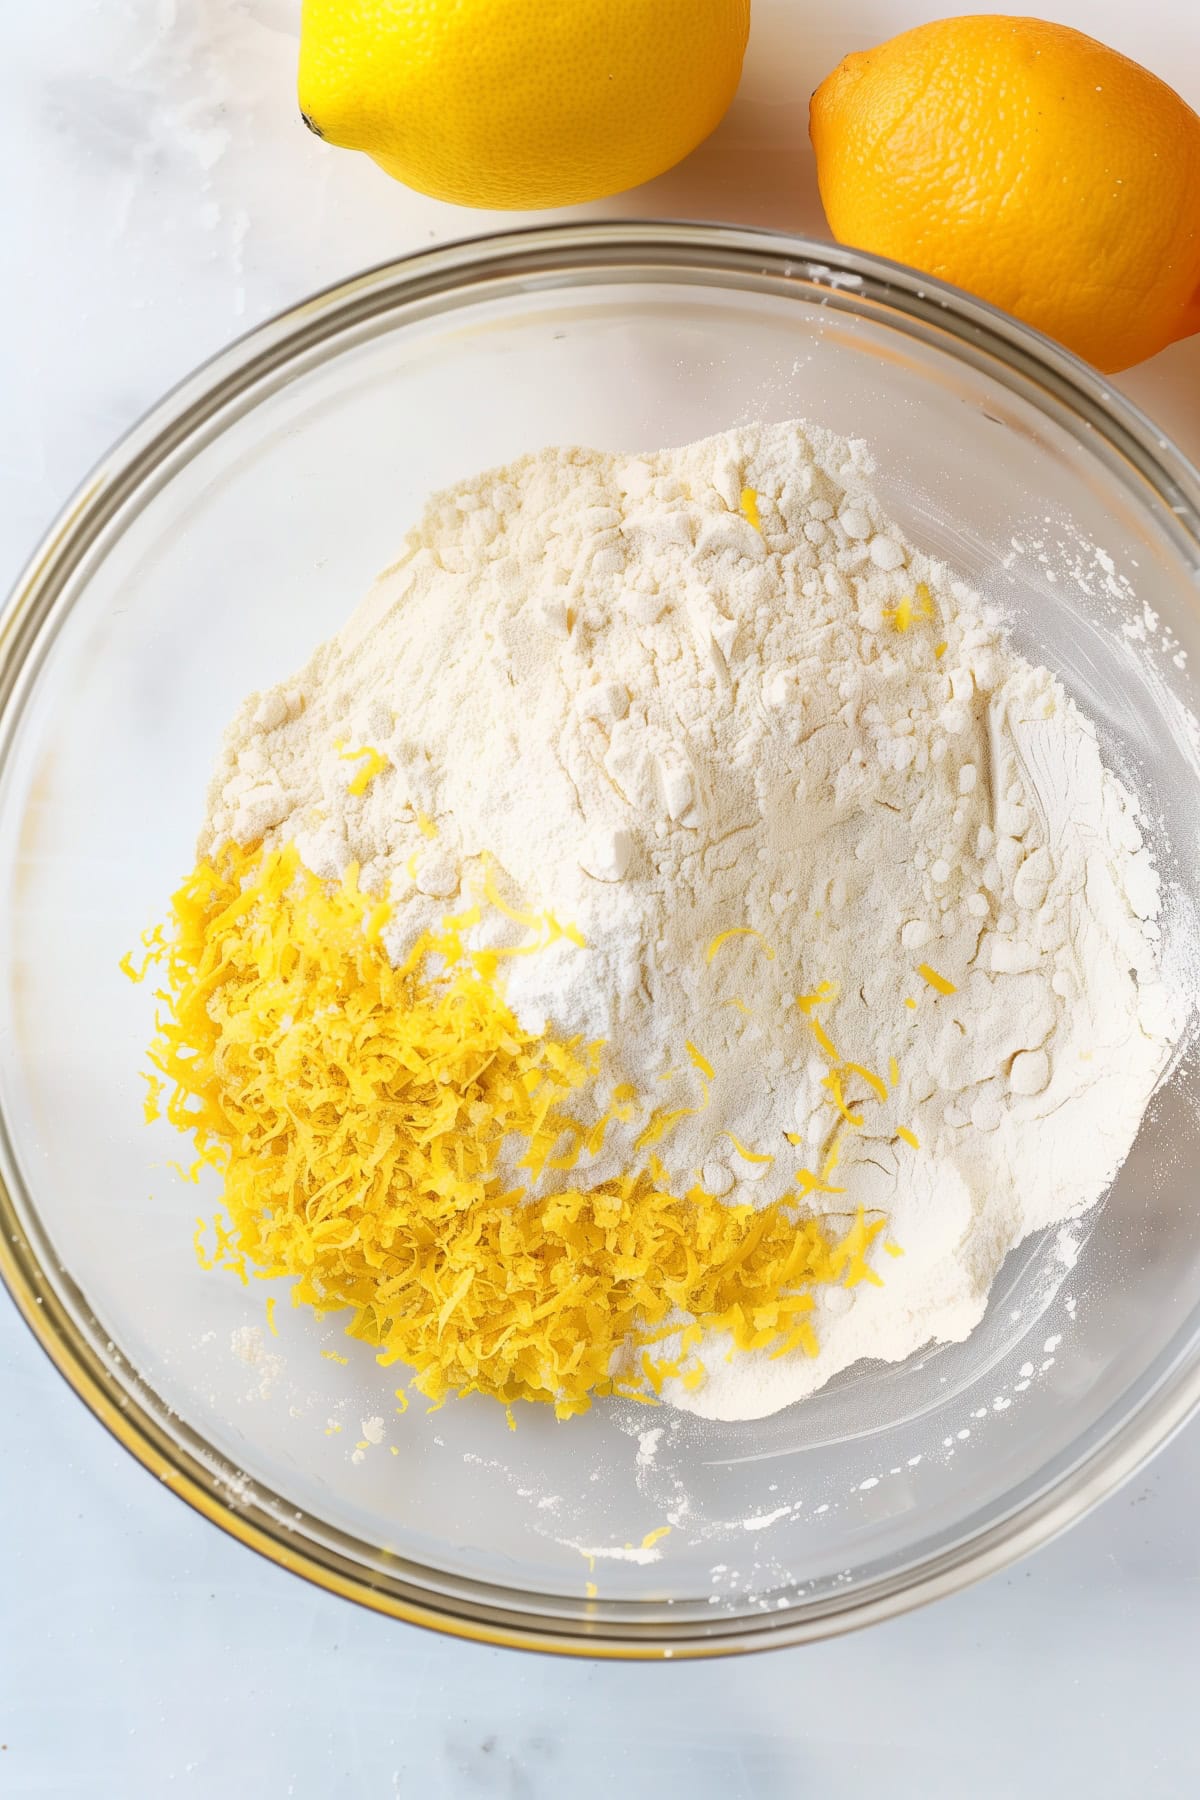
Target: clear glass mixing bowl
235 528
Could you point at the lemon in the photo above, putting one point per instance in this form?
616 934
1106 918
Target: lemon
1029 164
520 103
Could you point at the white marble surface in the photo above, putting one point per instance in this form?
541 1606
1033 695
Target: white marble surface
161 196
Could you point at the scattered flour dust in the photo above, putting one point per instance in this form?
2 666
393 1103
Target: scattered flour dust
670 709
249 1345
648 1442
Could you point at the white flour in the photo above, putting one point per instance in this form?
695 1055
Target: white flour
664 723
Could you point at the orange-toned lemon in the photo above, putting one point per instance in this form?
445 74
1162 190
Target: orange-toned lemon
1029 164
520 103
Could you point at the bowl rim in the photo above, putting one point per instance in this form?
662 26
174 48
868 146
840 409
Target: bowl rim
428 282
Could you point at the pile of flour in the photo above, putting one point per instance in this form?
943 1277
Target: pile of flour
663 721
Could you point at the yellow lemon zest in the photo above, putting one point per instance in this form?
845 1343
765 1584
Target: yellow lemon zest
750 1156
808 1183
911 609
824 1040
937 982
735 931
366 1118
851 1253
374 763
823 994
877 1087
833 1082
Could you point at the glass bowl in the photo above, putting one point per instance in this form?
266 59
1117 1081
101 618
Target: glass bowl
237 526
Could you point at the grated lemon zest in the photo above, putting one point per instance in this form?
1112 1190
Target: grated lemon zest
911 609
375 921
833 1082
654 1537
734 931
532 921
877 1087
823 994
362 1116
910 1137
571 932
750 1156
271 1315
802 1338
851 1253
699 1061
126 964
374 762
150 1106
657 1170
426 826
664 1120
749 507
808 1183
893 1071
938 982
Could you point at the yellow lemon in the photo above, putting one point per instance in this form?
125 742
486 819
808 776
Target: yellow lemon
1029 164
520 103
